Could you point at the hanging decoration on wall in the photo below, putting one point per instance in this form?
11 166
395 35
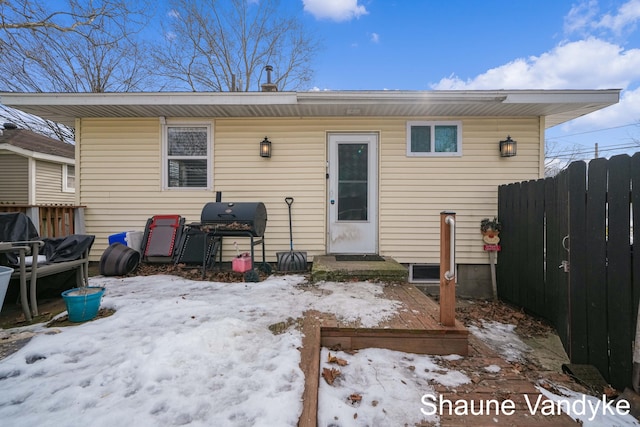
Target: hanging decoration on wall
490 230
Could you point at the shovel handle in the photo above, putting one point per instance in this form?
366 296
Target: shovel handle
289 202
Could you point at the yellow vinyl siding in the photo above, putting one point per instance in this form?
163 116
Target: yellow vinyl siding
119 176
120 179
49 184
296 169
14 179
413 191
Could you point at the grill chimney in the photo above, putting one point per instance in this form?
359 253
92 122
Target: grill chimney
268 86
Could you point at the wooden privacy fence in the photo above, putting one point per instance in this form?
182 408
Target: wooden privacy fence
567 256
51 220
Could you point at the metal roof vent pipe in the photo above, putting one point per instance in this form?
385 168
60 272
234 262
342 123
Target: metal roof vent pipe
268 86
7 126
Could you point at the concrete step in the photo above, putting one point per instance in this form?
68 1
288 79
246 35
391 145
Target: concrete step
326 268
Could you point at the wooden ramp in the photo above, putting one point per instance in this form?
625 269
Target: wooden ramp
415 329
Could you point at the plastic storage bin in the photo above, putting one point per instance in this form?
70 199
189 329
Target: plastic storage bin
132 239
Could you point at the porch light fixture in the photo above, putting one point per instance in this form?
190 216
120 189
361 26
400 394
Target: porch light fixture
265 148
508 147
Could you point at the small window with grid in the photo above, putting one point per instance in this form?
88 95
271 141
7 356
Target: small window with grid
434 139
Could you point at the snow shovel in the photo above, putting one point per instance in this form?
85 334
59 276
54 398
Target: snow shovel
291 261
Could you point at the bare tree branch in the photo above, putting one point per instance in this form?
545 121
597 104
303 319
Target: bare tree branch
557 158
91 47
24 14
98 46
210 46
86 46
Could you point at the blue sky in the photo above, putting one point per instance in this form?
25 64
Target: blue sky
490 44
486 44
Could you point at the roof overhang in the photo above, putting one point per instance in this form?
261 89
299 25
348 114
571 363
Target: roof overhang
557 106
36 155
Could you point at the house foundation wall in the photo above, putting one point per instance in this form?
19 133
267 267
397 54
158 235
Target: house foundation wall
474 281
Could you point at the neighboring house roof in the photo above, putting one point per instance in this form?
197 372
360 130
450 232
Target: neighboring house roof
31 144
557 106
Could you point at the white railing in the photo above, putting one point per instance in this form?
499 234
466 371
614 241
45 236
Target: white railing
451 273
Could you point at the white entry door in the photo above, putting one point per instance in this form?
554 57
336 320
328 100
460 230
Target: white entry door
353 194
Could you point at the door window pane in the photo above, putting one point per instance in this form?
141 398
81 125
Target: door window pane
353 164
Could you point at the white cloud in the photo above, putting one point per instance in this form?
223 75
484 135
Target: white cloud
626 112
590 63
335 10
584 64
593 62
375 37
583 18
628 15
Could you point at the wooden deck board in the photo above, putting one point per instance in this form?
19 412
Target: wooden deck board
409 317
418 307
310 365
415 329
414 306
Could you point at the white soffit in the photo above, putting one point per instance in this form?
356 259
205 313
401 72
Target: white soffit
557 106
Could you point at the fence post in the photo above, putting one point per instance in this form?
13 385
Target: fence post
33 212
447 269
78 220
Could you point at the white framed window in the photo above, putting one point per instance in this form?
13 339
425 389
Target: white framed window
434 138
68 178
187 156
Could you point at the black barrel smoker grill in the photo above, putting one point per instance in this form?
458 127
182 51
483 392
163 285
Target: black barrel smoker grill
234 219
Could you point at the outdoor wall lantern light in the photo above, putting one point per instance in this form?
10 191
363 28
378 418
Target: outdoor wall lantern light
508 147
265 148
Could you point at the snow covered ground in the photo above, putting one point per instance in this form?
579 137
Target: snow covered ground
179 352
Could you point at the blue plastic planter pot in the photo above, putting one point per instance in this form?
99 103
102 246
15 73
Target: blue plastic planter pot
5 277
83 303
